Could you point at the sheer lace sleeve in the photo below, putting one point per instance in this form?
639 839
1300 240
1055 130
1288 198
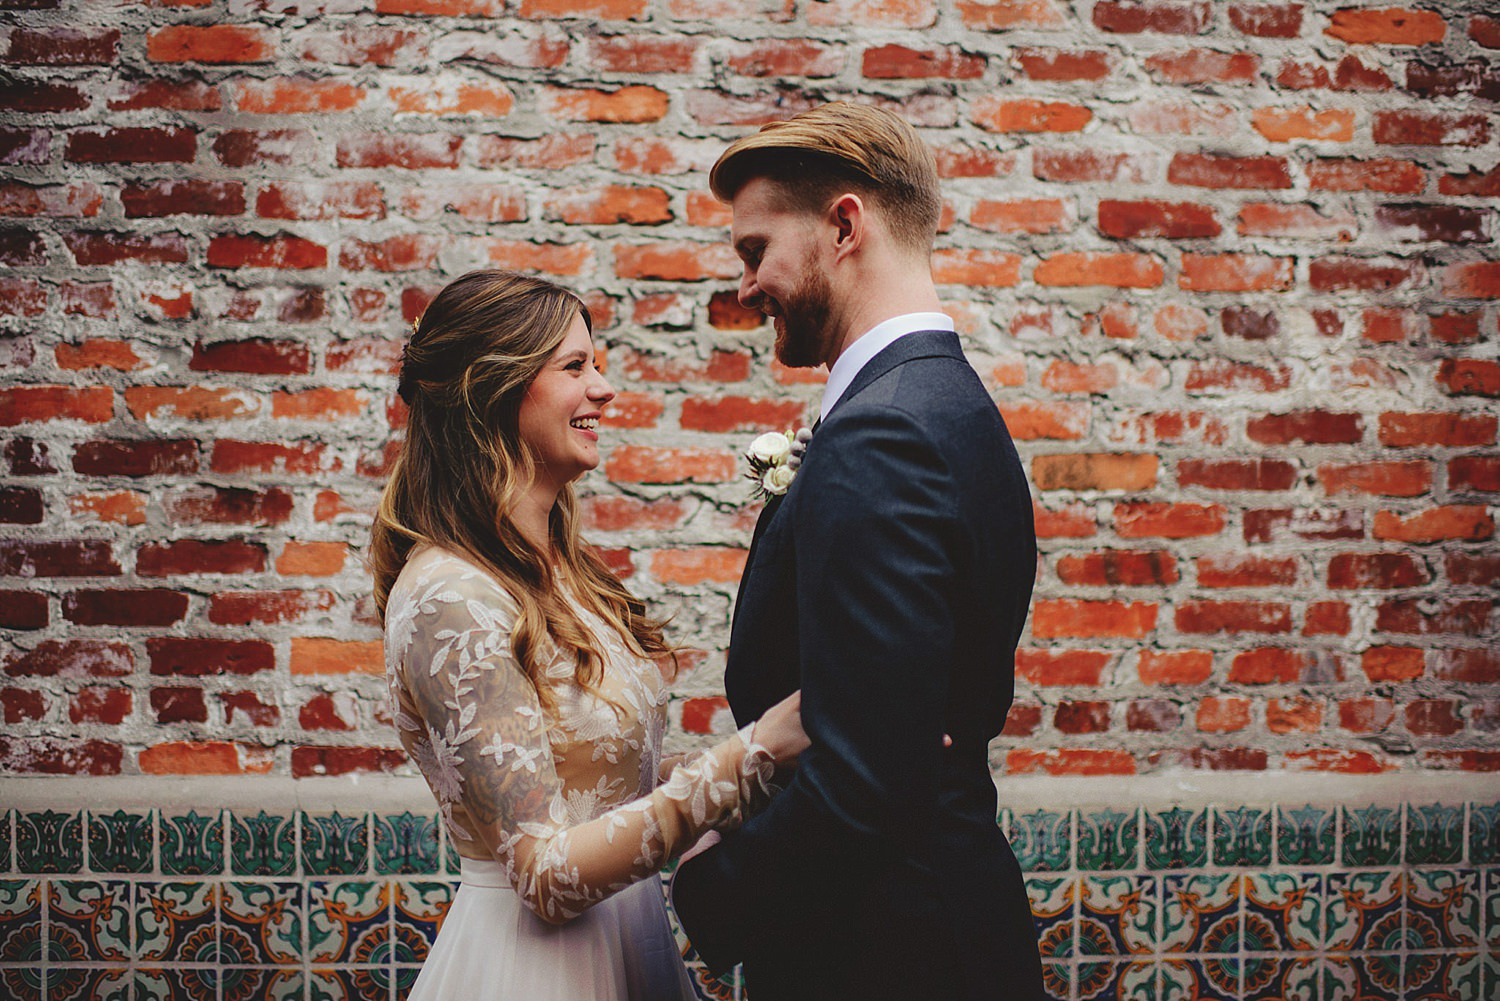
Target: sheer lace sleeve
472 722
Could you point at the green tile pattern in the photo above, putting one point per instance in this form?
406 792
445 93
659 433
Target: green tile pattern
1241 901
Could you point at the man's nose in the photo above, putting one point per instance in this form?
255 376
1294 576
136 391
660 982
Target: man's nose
749 291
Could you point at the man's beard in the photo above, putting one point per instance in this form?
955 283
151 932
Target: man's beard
802 335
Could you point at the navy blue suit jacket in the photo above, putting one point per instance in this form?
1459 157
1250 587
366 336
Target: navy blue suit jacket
890 583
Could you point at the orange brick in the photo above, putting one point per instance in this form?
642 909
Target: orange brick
317 655
312 559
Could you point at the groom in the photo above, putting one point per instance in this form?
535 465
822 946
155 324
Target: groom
890 583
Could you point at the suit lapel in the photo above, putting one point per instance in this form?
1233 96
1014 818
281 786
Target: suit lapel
917 344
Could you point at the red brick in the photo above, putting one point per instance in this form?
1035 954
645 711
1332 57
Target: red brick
1064 65
616 203
1196 66
170 95
741 413
1152 716
1237 474
250 706
634 410
62 46
71 659
409 150
1482 183
34 97
1474 473
1294 715
1269 666
192 403
100 248
1161 16
21 705
199 505
23 610
550 258
976 266
1327 618
1081 717
676 260
1285 525
1376 570
698 566
1366 715
1289 124
1073 521
1333 274
1023 720
1207 617
215 43
1267 20
553 151
183 197
132 145
197 556
21 506
1470 523
1410 478
655 464
1297 222
1474 665
1234 273
1309 427
403 252
1485 30
1069 761
1061 667
321 200
1384 175
1174 220
1182 118
179 705
1118 568
49 558
1070 617
1002 15
250 251
1421 128
492 100
1454 328
1431 223
155 457
55 756
1417 617
1160 519
1219 759
25 146
1094 471
635 105
371 45
1029 115
1244 570
786 57
325 711
1030 215
125 607
1433 718
121 507
1176 667
309 761
275 147
1058 421
1207 170
1088 165
75 201
621 514
899 62
197 658
22 297
212 757
32 404
312 559
1223 714
1474 280
1386 26
1112 270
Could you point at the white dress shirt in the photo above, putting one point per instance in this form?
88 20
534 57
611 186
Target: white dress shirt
876 340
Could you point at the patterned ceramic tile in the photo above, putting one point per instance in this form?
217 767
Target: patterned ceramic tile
339 984
1434 834
1492 908
1042 840
1484 833
1443 909
1370 977
1372 835
1213 979
1279 978
709 987
263 844
95 914
23 983
1305 835
245 983
120 842
49 841
7 818
1242 836
406 843
192 844
1200 913
170 983
1126 908
1053 906
333 844
1283 911
174 922
1104 979
20 920
1057 980
261 923
1440 975
344 918
423 905
1362 910
1177 839
1108 839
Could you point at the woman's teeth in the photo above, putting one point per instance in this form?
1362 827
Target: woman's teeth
585 423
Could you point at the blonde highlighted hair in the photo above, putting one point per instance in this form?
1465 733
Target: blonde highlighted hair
458 475
815 156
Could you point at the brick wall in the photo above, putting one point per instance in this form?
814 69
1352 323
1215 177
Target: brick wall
1228 267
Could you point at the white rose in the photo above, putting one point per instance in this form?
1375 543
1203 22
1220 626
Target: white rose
777 479
772 447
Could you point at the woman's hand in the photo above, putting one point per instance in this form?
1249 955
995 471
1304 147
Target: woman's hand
780 730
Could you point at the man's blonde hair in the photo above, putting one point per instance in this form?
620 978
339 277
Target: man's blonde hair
820 154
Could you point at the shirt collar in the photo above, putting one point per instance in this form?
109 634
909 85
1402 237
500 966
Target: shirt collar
874 341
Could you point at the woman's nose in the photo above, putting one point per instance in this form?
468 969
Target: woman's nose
601 391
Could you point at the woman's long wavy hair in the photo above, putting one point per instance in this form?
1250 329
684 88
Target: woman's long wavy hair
458 476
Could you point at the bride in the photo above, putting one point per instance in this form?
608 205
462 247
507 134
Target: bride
526 683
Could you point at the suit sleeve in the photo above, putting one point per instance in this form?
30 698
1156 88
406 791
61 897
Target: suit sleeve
877 538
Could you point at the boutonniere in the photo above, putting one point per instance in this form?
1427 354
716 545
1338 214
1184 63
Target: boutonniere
774 458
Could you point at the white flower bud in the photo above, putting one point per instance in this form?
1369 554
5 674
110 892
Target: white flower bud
771 447
777 479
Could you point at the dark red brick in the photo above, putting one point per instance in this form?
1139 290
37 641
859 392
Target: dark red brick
125 607
197 658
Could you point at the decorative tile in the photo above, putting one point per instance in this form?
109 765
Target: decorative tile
1434 834
1363 978
263 845
174 922
24 983
1372 836
261 923
170 983
1042 840
342 916
422 906
1305 835
1125 908
244 982
49 842
20 920
1200 913
406 843
1362 909
1053 900
1484 833
1057 981
1104 979
337 984
120 842
1492 908
89 984
7 864
192 844
729 987
1441 975
1283 911
1108 839
1177 839
1278 978
95 913
1215 979
335 845
1242 836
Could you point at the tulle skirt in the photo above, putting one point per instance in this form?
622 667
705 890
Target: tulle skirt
493 948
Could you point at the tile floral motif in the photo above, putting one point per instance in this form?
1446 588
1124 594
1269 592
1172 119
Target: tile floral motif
1106 979
1053 906
342 915
6 818
1362 908
422 906
192 844
1108 839
1057 981
1305 835
170 983
1177 839
406 843
120 842
1200 913
1434 834
1445 905
1242 836
1372 836
347 985
1440 975
244 983
49 842
20 920
334 844
1484 833
174 922
261 923
1125 907
263 845
1279 978
1200 980
1042 840
1492 909
94 912
1283 911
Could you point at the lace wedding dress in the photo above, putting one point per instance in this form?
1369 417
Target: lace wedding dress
556 812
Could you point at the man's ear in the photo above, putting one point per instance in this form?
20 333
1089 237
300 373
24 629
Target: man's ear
847 216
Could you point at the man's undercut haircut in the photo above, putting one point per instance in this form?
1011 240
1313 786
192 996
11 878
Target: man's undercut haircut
815 156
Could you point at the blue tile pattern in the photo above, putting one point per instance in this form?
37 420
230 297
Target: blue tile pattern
1250 902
